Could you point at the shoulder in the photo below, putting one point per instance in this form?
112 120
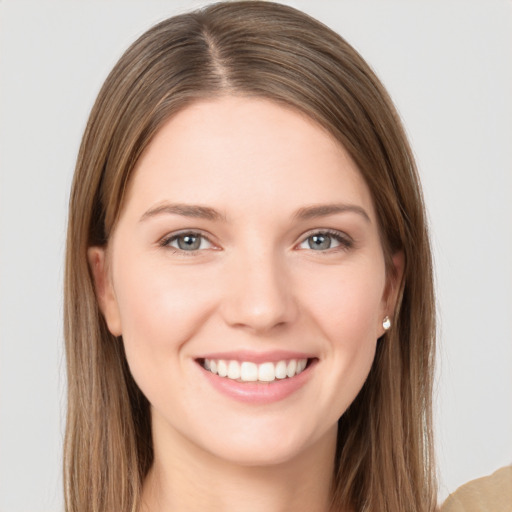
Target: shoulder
488 494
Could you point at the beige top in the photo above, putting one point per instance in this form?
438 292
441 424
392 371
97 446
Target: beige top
488 494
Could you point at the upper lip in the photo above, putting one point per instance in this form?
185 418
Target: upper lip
257 357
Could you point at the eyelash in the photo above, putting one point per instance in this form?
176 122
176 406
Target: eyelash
344 240
165 242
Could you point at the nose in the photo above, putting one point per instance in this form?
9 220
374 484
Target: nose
259 293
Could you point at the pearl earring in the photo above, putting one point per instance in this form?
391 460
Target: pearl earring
386 323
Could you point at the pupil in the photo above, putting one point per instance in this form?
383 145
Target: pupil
188 242
320 242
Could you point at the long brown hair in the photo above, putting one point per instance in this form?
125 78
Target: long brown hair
384 456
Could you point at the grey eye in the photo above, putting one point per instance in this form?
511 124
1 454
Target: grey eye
189 242
325 240
319 242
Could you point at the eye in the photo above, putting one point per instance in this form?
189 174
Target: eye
324 240
189 241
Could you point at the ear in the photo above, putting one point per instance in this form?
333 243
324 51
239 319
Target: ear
393 285
105 295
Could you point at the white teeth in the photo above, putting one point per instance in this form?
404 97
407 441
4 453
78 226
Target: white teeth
291 368
281 370
234 370
247 371
222 368
267 372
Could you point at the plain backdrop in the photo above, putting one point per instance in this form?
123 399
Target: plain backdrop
447 65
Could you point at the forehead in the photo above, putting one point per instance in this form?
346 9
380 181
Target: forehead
248 152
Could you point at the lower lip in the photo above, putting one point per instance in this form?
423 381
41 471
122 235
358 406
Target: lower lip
258 392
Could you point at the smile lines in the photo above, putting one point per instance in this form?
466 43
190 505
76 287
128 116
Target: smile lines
247 371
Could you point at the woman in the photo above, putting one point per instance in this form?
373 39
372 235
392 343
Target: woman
249 302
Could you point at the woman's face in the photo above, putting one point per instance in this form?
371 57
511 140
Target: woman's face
247 247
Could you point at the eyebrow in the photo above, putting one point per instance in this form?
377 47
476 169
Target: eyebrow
208 213
323 210
185 210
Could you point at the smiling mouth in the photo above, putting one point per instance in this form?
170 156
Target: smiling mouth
248 371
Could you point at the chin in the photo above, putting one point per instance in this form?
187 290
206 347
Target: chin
267 447
254 456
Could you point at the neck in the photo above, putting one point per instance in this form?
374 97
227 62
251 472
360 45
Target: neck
185 477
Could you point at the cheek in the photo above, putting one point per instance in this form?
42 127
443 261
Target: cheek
160 310
348 303
347 310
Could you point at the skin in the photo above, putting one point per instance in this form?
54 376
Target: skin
253 284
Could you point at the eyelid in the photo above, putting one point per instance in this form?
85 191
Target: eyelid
346 241
167 239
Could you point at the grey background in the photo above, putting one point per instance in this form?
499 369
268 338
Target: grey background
447 65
